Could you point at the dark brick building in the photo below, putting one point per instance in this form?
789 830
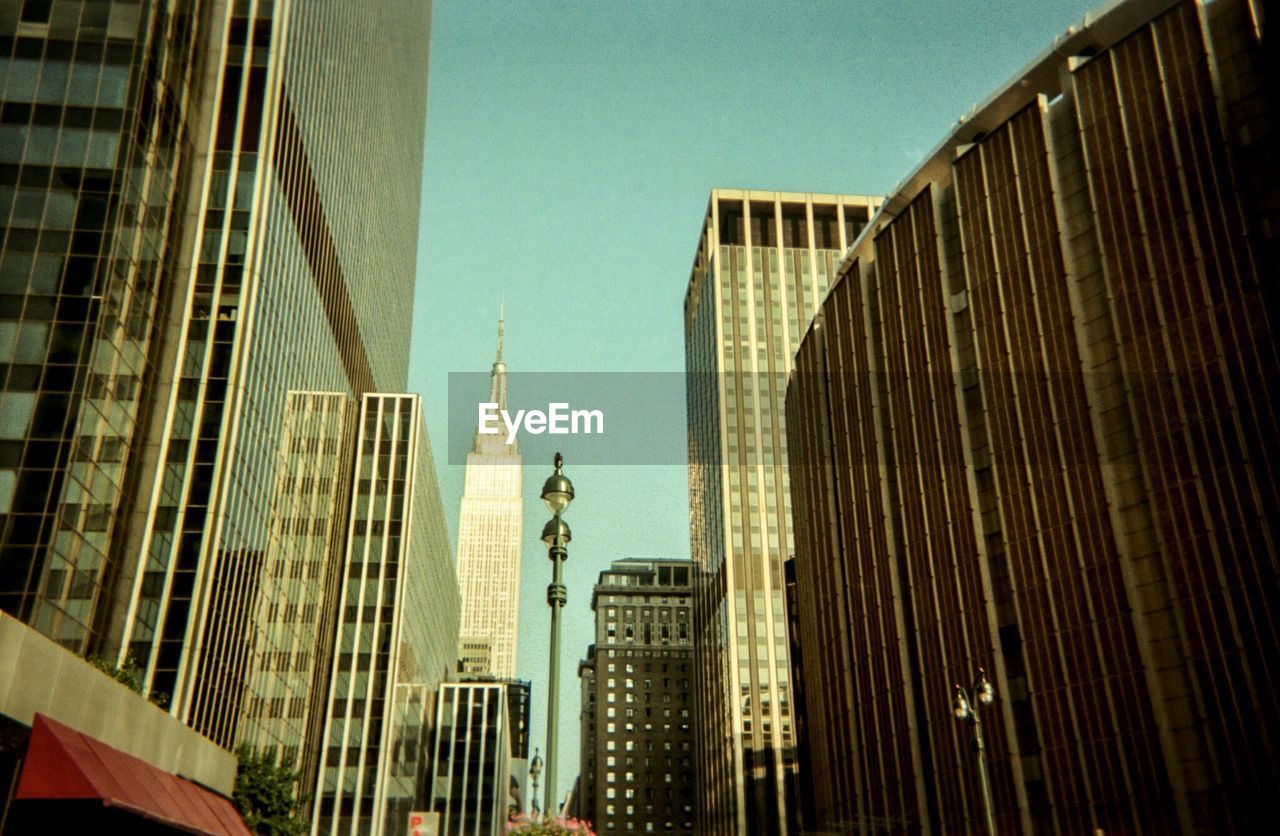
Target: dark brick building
637 682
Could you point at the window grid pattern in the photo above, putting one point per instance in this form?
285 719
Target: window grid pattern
288 674
749 297
471 759
92 131
397 624
637 768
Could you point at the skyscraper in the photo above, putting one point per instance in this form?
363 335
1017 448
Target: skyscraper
205 204
286 688
92 209
1033 431
763 264
489 544
396 628
637 706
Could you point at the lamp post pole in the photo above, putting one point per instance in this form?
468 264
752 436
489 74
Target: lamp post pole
535 769
965 711
556 597
557 493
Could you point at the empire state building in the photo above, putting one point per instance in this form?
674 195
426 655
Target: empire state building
489 529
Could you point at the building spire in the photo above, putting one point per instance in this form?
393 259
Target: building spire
498 377
502 310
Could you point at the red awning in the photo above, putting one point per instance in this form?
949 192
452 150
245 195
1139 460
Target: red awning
64 764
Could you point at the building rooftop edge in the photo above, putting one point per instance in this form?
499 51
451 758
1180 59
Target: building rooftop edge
1097 31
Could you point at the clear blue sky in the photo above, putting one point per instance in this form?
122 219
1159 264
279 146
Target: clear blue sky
571 147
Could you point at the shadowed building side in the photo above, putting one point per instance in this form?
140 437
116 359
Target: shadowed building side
1032 431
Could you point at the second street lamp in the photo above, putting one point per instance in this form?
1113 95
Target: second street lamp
557 493
966 711
535 769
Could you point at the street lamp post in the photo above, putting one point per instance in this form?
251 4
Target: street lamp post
557 493
964 711
535 769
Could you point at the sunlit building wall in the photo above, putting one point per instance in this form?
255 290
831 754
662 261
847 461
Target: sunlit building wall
763 264
396 631
489 536
187 236
286 690
1032 430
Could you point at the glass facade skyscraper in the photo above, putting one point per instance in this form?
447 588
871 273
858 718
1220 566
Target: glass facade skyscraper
764 262
189 232
97 134
396 627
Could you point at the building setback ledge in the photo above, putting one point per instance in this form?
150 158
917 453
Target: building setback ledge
39 676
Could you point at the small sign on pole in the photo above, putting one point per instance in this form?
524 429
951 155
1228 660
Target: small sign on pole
424 824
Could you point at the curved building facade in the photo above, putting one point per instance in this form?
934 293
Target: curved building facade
1032 430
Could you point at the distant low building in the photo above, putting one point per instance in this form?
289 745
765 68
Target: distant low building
475 656
470 781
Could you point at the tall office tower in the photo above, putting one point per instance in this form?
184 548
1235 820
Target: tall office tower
469 786
763 264
286 688
637 688
1033 430
96 121
489 532
188 234
397 627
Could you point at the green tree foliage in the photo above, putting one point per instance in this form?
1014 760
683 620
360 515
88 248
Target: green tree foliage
129 674
266 795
